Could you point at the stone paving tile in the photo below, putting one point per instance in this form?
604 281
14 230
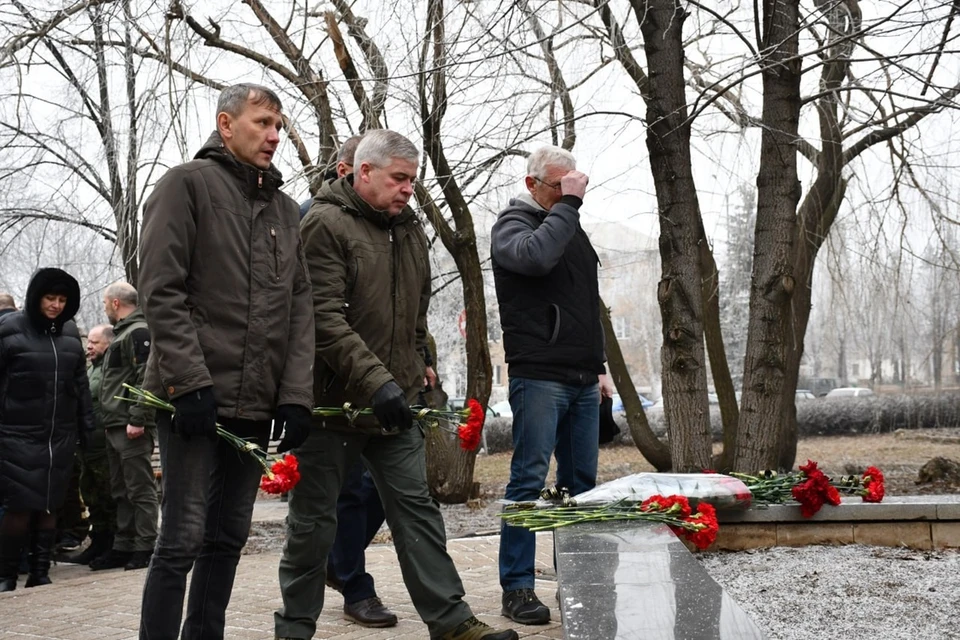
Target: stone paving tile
105 605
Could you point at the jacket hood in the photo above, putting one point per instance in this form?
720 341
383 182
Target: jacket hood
341 193
266 179
46 281
525 202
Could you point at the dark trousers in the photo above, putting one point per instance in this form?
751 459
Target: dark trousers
208 493
398 466
359 517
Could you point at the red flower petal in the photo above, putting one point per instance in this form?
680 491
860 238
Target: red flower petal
285 475
470 432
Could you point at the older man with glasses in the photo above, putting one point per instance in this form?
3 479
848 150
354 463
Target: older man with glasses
545 271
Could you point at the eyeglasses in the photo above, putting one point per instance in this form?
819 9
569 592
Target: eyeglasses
548 184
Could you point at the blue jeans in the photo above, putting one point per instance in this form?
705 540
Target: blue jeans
208 493
548 418
359 516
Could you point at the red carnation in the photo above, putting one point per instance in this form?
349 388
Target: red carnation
285 475
667 504
470 432
702 527
809 468
873 483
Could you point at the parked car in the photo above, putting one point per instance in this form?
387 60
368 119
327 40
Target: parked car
500 410
849 392
618 402
805 394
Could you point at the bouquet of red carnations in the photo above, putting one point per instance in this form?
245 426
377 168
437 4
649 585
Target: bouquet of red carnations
811 487
280 474
466 423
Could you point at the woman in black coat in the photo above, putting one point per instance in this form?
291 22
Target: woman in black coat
45 406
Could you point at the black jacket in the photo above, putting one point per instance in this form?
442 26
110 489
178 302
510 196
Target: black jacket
45 397
545 271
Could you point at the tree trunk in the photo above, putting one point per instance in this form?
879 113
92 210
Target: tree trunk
651 448
679 291
773 282
816 215
451 476
719 365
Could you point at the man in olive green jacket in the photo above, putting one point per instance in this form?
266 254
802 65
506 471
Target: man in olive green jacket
130 431
368 261
226 294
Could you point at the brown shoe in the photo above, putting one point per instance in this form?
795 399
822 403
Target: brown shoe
473 629
370 613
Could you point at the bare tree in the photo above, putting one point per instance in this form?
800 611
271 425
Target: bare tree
88 53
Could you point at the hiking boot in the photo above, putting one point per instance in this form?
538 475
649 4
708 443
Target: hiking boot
370 613
100 543
138 560
473 629
524 606
70 542
112 559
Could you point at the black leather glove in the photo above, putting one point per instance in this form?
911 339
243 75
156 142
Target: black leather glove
391 408
196 414
82 439
294 422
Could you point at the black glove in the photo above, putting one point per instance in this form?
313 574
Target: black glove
294 422
82 440
391 408
196 414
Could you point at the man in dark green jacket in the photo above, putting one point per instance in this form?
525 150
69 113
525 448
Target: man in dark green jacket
130 432
227 296
95 473
367 255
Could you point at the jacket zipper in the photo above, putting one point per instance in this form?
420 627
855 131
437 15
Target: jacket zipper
276 255
53 419
393 293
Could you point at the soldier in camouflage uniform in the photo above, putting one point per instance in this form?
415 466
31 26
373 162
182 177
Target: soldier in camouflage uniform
95 477
130 432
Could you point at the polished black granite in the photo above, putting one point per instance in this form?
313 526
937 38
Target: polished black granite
636 580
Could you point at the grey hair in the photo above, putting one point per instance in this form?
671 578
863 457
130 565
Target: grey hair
6 301
122 291
381 146
233 99
348 150
105 330
550 156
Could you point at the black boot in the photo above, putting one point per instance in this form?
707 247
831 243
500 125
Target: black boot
10 548
100 543
41 552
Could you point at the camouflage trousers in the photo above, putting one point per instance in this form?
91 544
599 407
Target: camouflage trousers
95 485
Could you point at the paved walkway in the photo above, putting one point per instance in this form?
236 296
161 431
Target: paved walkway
83 605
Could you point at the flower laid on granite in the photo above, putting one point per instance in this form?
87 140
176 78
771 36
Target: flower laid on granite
284 475
674 511
814 490
869 485
811 487
279 474
466 423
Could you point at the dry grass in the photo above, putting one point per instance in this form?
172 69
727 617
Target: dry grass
899 458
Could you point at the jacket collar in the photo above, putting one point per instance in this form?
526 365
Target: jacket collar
254 181
342 193
135 316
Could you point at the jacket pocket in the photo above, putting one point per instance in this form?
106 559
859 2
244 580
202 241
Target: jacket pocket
553 314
